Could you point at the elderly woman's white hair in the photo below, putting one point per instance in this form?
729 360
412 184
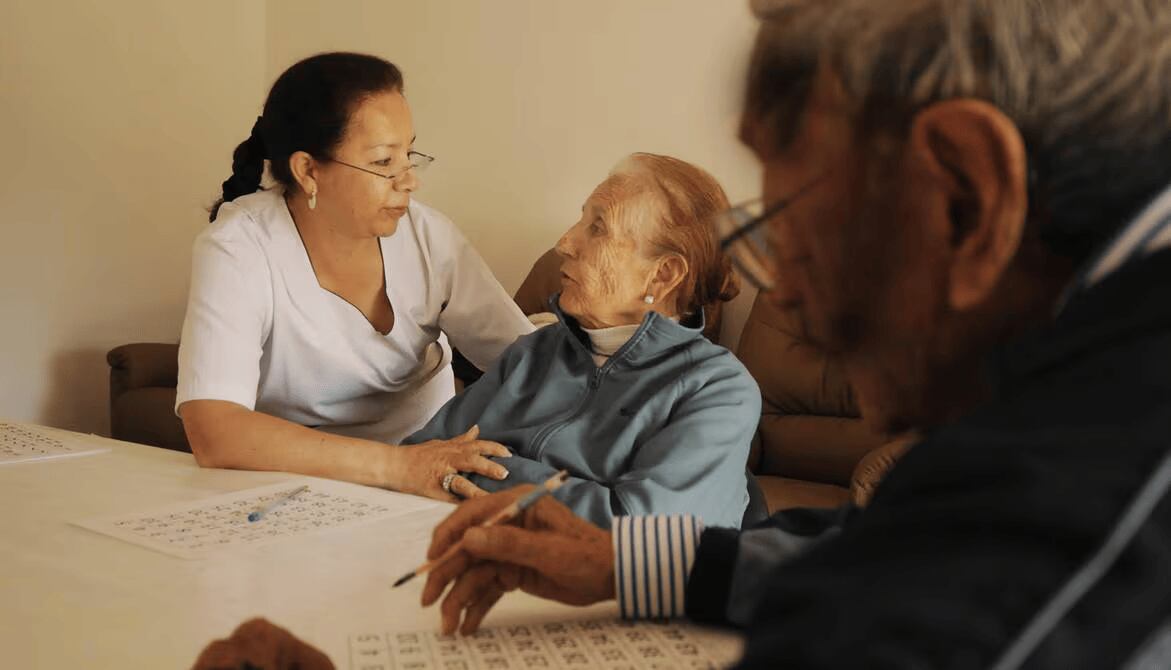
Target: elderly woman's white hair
1063 77
682 199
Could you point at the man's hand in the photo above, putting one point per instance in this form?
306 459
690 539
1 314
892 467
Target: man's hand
260 644
549 552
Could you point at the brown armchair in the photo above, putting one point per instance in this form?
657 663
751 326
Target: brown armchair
810 440
142 395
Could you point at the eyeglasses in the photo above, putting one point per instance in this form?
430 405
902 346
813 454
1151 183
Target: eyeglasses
745 238
418 162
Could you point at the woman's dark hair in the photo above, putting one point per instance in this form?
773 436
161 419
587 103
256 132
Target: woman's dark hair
307 110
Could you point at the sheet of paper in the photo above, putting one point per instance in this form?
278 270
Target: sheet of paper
196 529
613 645
21 444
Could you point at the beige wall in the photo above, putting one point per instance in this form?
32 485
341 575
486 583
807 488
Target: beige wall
118 121
528 103
115 127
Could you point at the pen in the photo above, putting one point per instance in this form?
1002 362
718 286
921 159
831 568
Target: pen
258 513
507 514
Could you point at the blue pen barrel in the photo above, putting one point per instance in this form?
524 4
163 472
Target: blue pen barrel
258 513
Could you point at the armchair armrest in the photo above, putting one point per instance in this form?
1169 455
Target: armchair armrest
874 466
143 377
142 364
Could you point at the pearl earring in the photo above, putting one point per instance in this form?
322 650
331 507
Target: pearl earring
313 200
650 300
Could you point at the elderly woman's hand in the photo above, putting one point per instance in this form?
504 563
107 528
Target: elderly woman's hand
261 644
549 552
427 464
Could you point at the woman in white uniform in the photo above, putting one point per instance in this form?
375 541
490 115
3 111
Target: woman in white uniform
320 309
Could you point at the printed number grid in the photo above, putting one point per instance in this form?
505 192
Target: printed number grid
21 444
612 645
198 530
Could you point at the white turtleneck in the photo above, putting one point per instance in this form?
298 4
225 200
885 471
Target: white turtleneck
605 341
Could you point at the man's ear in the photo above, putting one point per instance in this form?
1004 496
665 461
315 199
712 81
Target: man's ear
977 158
304 170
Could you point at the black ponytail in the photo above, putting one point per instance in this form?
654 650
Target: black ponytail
307 110
247 168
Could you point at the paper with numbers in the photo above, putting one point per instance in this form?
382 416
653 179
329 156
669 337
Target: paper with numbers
611 645
199 528
21 444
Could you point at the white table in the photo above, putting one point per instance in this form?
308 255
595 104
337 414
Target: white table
73 598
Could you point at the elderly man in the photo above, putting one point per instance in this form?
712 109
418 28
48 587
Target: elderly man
966 201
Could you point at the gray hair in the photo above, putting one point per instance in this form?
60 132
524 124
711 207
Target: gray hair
1087 83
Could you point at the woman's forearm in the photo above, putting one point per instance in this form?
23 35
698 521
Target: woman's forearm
226 435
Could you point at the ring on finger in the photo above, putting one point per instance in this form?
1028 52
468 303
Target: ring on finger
447 480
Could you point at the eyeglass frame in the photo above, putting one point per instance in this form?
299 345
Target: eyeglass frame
392 177
755 222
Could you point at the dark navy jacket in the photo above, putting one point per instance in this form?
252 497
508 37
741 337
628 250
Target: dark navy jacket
979 525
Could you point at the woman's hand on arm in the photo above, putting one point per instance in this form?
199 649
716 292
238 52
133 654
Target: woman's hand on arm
547 551
427 463
227 435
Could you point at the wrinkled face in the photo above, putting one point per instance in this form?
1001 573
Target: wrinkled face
606 271
378 137
856 256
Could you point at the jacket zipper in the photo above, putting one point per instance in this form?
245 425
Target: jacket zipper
591 386
542 439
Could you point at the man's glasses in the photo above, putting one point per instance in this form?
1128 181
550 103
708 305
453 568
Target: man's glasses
745 238
418 162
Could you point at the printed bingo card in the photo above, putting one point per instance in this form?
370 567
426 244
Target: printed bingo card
198 528
21 444
611 645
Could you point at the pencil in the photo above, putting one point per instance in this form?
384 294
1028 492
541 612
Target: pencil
258 513
507 514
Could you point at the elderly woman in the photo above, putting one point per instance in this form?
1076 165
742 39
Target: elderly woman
624 391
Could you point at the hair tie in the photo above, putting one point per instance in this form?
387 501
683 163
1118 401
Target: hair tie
257 137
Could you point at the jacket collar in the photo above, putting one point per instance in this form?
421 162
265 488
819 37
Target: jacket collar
1122 291
1133 301
1145 234
656 335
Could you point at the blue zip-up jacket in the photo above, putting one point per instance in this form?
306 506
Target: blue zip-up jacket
664 426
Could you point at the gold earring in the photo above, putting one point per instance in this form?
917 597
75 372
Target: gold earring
313 200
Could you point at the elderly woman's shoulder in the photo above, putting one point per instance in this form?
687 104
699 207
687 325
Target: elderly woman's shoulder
717 364
549 333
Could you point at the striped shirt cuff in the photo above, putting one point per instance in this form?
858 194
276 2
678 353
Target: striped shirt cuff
653 556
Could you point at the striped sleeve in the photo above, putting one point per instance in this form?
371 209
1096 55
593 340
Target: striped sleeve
653 556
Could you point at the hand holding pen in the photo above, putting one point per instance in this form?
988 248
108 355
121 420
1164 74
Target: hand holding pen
504 515
547 551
